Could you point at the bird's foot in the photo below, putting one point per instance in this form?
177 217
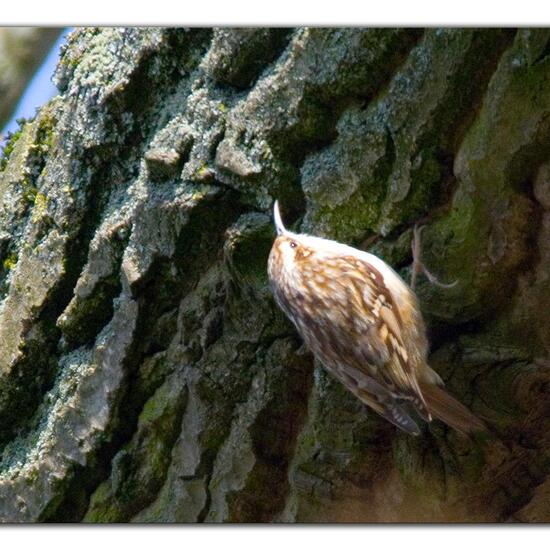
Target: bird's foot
418 266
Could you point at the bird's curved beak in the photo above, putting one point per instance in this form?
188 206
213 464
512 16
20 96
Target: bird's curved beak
278 221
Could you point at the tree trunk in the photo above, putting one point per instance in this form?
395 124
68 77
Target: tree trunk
22 50
145 371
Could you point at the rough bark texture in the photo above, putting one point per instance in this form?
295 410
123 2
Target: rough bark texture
145 372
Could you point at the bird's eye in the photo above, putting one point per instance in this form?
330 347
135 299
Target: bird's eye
293 244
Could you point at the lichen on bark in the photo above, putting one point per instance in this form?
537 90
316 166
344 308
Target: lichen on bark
146 374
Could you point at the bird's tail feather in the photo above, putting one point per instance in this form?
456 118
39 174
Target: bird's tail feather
446 408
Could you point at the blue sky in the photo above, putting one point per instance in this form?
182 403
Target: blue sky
39 90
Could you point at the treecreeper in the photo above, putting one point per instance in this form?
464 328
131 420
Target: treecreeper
363 323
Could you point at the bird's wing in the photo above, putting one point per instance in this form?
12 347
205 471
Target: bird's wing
376 396
378 331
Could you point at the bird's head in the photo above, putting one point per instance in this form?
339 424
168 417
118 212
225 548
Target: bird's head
289 247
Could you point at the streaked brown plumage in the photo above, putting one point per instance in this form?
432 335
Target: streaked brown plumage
362 321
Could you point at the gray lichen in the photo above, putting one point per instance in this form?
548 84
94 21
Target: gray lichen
146 374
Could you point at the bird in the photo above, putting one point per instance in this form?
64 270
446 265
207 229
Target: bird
363 323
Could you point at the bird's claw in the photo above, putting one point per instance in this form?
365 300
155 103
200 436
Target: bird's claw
302 351
419 267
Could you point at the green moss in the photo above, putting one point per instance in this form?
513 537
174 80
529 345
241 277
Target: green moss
40 209
10 262
202 175
484 238
201 171
102 507
44 135
348 222
9 146
155 407
140 467
29 192
46 124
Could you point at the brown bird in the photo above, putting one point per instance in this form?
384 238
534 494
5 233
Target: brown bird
363 323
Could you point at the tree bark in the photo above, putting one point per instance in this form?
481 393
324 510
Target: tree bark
146 374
